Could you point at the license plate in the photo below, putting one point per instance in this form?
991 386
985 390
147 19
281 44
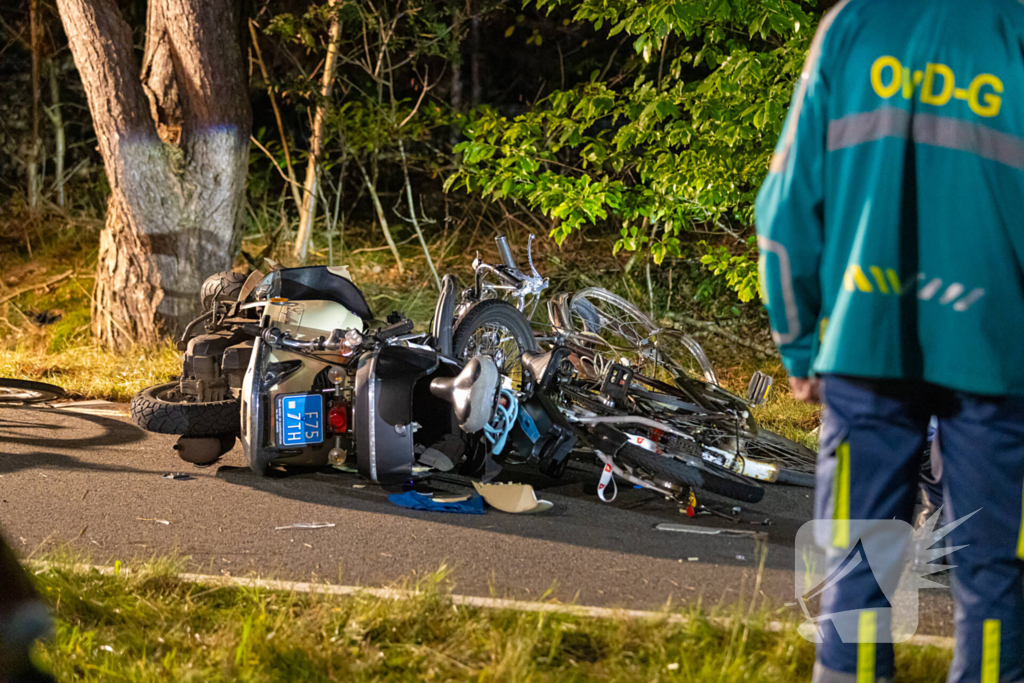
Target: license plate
300 419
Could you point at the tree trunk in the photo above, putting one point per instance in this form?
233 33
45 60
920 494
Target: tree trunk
456 92
475 83
59 143
174 209
35 151
309 190
292 182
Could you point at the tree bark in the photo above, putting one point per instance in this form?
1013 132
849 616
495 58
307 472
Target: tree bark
158 78
174 209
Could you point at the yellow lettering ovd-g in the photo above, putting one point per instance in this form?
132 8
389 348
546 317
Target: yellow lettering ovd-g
889 77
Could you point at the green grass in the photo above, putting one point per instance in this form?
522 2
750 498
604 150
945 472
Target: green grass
781 413
150 625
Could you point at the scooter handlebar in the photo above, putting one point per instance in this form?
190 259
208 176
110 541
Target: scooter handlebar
396 330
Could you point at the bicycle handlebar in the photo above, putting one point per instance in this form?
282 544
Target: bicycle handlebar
509 273
506 253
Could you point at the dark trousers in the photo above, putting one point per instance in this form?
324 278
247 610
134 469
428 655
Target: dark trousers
869 463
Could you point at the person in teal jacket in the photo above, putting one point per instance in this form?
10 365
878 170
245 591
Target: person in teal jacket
891 234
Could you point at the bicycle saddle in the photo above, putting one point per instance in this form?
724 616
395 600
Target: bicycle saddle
472 393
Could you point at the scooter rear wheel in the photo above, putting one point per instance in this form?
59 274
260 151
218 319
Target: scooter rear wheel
161 409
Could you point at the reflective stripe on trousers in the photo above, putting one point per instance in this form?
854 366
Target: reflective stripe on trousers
871 441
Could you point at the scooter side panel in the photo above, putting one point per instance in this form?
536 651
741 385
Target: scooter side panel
384 452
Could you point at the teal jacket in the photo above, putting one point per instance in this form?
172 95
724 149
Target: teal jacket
891 224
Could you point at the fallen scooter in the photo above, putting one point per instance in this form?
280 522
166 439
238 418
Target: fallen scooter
295 366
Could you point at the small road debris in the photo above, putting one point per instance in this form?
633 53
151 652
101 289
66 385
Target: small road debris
705 531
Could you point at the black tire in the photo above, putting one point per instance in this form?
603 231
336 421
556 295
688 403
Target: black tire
24 391
794 478
223 286
706 476
497 313
154 410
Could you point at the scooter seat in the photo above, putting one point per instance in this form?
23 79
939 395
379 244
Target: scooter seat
472 393
318 282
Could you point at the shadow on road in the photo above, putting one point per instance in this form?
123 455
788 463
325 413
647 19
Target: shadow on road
28 443
578 518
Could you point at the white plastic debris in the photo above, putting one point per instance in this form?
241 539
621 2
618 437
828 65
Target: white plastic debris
305 525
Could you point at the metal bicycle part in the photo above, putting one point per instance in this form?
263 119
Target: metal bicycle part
25 391
617 331
512 283
797 464
651 442
742 445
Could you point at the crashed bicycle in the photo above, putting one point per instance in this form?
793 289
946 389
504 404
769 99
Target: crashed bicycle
646 399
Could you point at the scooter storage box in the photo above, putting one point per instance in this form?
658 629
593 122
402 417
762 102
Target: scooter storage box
384 426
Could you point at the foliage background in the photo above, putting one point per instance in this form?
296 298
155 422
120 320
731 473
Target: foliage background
634 133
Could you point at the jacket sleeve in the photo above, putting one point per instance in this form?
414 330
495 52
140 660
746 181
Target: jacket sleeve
790 218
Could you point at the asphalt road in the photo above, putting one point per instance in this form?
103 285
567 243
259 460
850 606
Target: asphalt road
90 479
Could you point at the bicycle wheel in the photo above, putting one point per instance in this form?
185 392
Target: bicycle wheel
700 474
496 329
25 391
617 331
678 462
729 432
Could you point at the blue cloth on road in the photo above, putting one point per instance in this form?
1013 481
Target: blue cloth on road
474 505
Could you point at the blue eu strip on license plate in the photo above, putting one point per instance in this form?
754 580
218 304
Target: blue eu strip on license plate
300 419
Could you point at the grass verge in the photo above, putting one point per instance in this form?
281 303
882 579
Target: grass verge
152 626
